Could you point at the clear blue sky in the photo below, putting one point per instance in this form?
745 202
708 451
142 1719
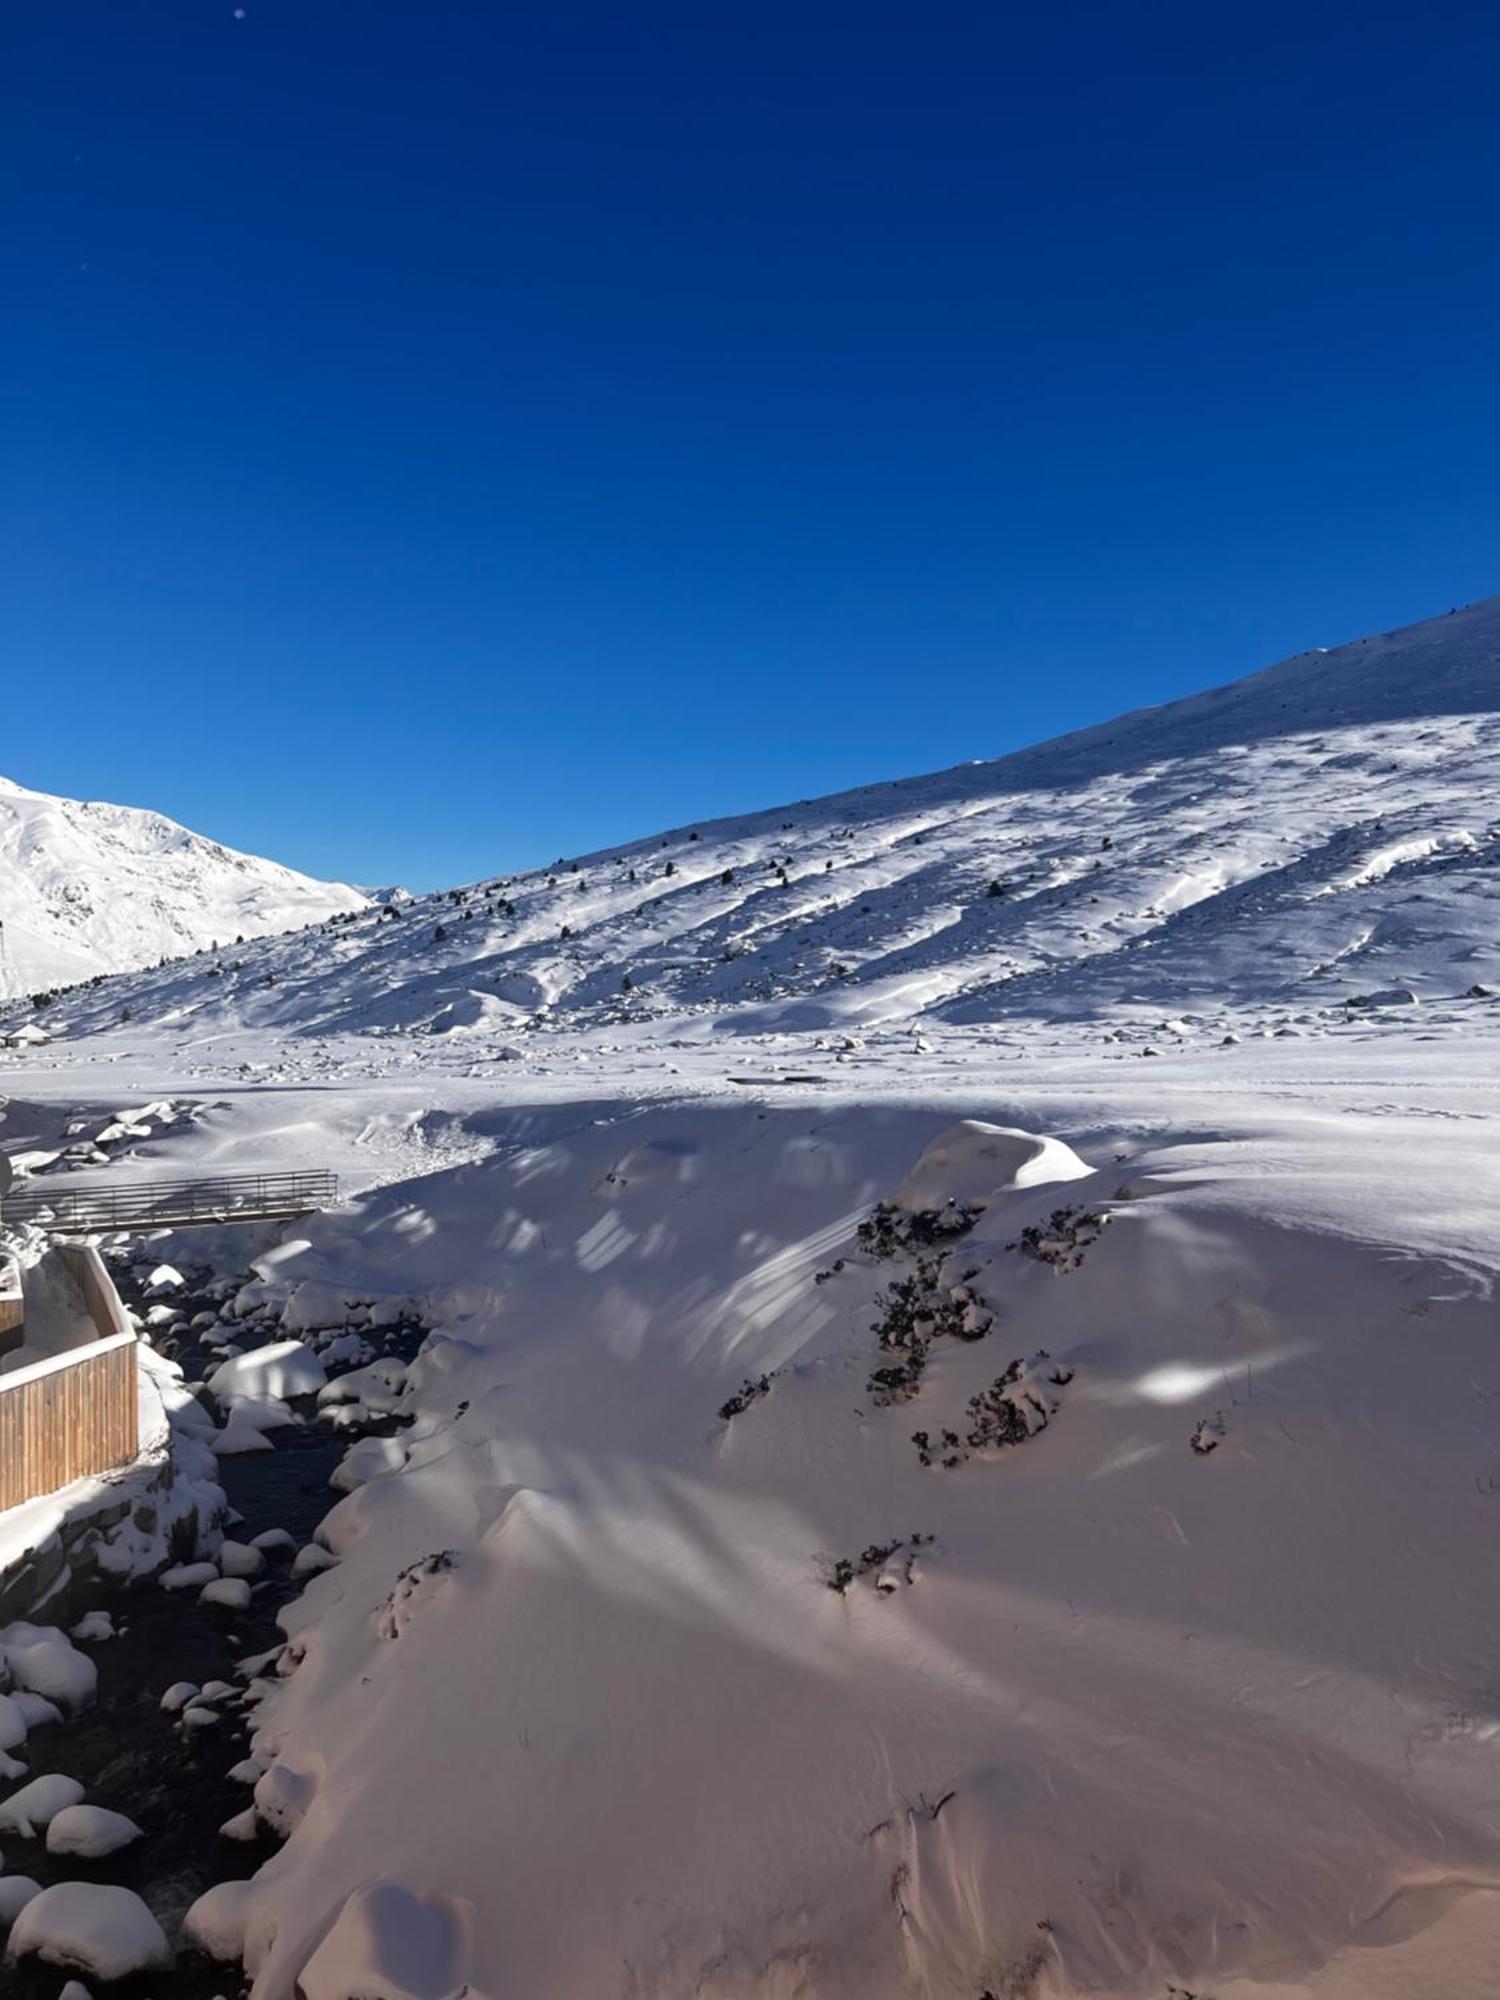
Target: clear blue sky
436 436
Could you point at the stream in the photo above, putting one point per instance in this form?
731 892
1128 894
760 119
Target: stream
132 1756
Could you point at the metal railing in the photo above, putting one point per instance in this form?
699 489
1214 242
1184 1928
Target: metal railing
66 1208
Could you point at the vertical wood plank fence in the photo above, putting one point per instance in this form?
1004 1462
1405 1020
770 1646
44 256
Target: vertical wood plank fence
12 1305
73 1415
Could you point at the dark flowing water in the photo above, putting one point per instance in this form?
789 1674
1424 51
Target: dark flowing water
133 1757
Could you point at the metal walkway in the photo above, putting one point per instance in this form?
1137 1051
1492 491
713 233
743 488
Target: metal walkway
67 1208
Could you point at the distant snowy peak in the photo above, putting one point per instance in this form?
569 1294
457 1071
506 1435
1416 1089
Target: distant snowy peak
87 888
1320 832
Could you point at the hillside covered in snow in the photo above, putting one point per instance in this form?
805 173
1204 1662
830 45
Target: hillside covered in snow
87 888
798 1468
1318 833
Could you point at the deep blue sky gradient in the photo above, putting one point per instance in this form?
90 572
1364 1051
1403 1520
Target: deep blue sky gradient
437 437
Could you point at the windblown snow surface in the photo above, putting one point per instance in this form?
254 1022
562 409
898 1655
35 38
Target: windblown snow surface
1096 1599
89 888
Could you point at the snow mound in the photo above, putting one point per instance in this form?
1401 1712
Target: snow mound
90 1927
47 1662
387 1944
90 1832
230 1593
188 1576
215 1925
240 1559
285 1368
31 1810
972 1162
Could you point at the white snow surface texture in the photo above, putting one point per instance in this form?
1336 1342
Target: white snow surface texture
1185 1688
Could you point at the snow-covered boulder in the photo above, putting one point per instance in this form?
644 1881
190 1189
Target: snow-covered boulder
45 1660
240 1559
285 1368
188 1576
215 1925
90 1927
313 1305
377 1388
230 1593
239 1436
90 1832
31 1810
178 1695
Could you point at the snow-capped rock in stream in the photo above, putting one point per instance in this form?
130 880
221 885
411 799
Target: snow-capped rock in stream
46 1661
90 1927
90 1832
29 1811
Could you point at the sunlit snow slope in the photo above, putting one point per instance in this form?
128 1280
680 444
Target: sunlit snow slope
1315 833
88 888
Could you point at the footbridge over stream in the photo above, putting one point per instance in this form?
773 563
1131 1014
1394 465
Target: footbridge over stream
66 1208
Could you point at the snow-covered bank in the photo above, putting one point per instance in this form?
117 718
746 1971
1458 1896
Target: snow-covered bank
1135 1696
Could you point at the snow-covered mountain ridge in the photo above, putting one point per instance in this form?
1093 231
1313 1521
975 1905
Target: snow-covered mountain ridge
87 888
1315 833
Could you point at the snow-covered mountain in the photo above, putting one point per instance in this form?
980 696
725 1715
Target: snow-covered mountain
883 1516
88 888
1318 832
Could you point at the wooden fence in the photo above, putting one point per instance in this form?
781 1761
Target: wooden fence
75 1414
12 1305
